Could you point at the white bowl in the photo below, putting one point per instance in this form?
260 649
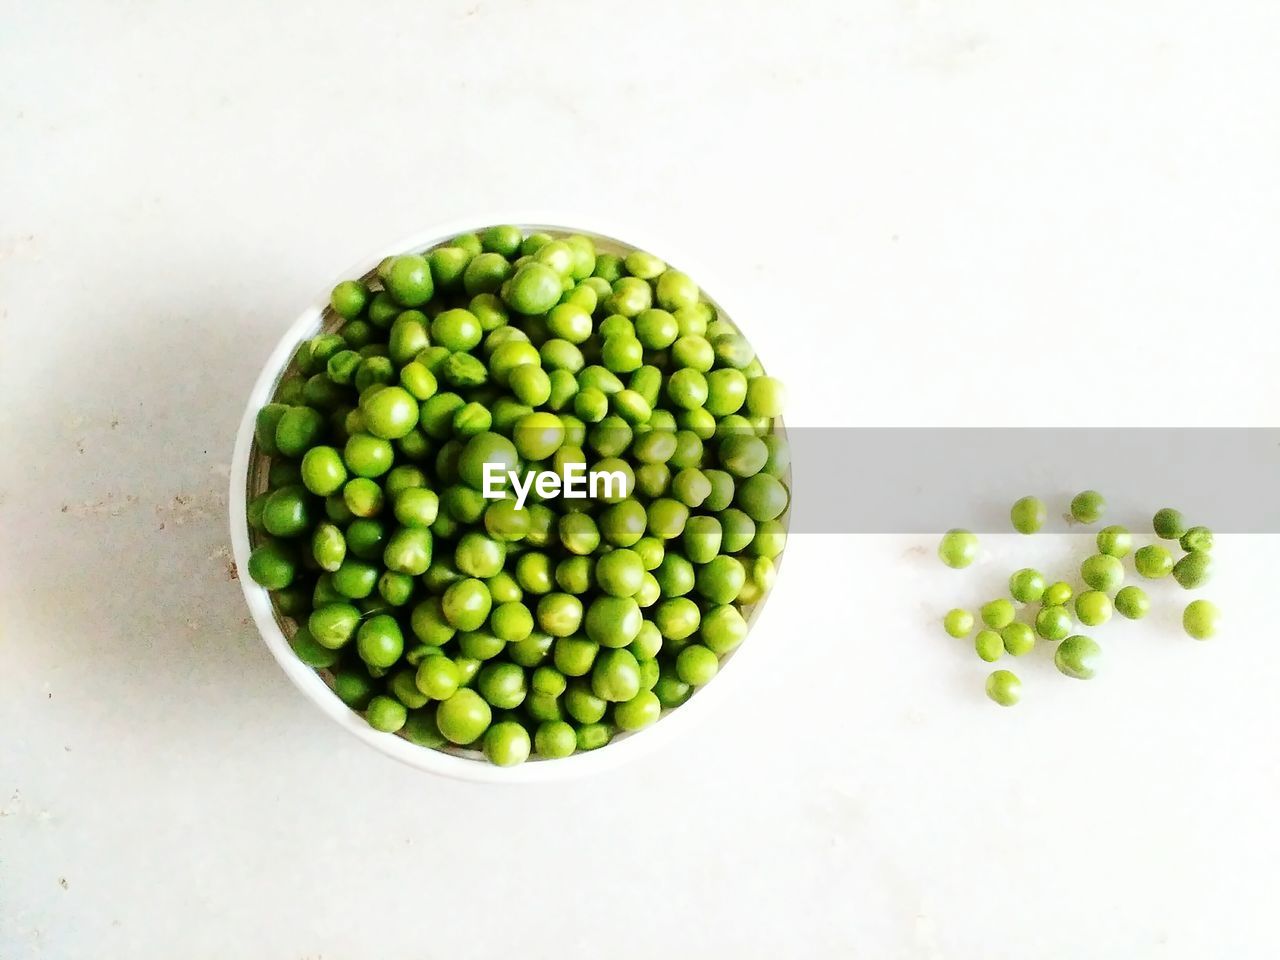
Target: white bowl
458 763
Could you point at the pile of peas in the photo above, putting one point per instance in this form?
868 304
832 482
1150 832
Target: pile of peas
457 620
1099 593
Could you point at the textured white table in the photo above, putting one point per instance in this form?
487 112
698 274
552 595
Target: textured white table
1018 214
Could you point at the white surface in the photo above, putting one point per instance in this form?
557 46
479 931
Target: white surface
982 212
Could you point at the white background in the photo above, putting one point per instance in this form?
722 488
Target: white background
977 212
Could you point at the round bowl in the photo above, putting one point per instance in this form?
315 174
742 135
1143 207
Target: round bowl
248 478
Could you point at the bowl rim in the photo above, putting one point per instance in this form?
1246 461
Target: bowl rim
622 750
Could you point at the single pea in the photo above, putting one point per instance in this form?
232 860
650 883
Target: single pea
380 642
1169 524
721 630
1193 570
670 690
272 565
559 614
1197 540
721 579
958 548
448 266
1078 657
766 397
297 430
1114 541
367 456
355 579
1153 561
503 685
997 614
696 665
349 298
958 623
408 550
311 653
1004 688
1018 639
555 739
416 507
506 744
1200 619
535 288
408 280
613 621
421 729
333 624
570 322
287 512
1053 622
726 391
678 618
1093 608
764 497
615 676
386 714
464 717
1132 603
1088 506
438 677
1028 514
743 456
1102 572
1027 585
466 604
485 273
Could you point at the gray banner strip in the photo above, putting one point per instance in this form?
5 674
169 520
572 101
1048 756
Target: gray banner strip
926 480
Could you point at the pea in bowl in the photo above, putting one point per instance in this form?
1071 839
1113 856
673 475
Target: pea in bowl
405 520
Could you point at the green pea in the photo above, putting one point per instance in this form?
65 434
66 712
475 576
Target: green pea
1088 506
1078 657
438 678
333 625
466 604
1004 688
272 565
287 512
1028 514
1114 541
503 685
1193 570
386 714
310 652
408 550
448 266
421 729
485 274
762 497
615 676
354 688
1197 540
408 280
367 456
506 744
721 579
349 298
1018 639
1153 561
380 642
1093 608
555 739
1200 619
678 618
297 430
958 548
997 614
1102 572
1027 585
613 621
355 579
535 288
559 614
1132 603
958 623
464 717
1053 622
696 665
1169 524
